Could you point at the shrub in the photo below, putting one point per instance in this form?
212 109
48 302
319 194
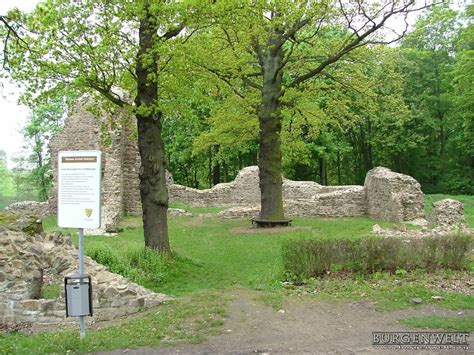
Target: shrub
107 256
308 258
139 265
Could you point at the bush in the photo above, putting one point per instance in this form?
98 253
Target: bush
304 259
139 265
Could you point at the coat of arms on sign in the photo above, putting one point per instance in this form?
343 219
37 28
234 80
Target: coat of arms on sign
88 212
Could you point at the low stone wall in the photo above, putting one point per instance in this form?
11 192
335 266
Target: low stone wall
32 208
24 260
344 202
385 195
244 190
302 198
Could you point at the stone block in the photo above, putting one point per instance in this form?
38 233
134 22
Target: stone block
392 196
30 305
48 305
447 213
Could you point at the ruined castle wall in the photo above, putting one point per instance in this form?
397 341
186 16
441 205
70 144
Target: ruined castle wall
130 170
392 196
386 195
343 202
302 198
25 261
81 132
243 190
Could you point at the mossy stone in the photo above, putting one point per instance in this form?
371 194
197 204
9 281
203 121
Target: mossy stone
31 225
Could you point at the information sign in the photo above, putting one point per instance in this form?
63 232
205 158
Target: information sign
79 177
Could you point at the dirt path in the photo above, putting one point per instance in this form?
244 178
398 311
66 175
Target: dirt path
305 326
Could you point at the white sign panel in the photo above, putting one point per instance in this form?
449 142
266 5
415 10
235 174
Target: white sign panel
79 175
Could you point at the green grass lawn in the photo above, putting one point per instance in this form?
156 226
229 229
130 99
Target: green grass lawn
211 255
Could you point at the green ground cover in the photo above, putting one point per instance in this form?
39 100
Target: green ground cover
211 255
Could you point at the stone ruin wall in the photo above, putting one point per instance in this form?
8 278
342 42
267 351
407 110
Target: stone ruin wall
120 163
385 195
27 261
393 197
302 198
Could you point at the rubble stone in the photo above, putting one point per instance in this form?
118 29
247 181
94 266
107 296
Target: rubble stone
22 279
30 208
447 213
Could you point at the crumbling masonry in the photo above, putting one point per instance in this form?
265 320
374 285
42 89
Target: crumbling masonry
385 195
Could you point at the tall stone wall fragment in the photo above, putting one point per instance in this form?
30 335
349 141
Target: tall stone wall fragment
392 196
120 162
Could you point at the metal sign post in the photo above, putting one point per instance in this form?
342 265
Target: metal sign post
79 206
81 272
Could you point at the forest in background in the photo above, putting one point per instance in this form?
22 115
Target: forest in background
408 107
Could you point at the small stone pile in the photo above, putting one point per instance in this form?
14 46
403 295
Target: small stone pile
448 214
26 259
446 217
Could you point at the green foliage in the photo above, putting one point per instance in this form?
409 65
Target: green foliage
7 189
44 122
408 108
304 259
143 266
52 291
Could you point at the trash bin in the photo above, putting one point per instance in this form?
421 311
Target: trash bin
78 290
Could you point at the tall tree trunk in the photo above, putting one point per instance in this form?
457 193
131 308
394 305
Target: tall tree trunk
269 115
216 169
196 182
209 168
225 172
339 179
369 145
323 176
153 190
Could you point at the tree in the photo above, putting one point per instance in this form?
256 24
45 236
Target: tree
104 48
463 112
278 49
44 122
429 54
5 178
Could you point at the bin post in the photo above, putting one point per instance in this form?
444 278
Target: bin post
81 272
78 291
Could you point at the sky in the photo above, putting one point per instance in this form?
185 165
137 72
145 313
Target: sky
12 115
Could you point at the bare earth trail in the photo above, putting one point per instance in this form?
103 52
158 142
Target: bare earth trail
306 326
